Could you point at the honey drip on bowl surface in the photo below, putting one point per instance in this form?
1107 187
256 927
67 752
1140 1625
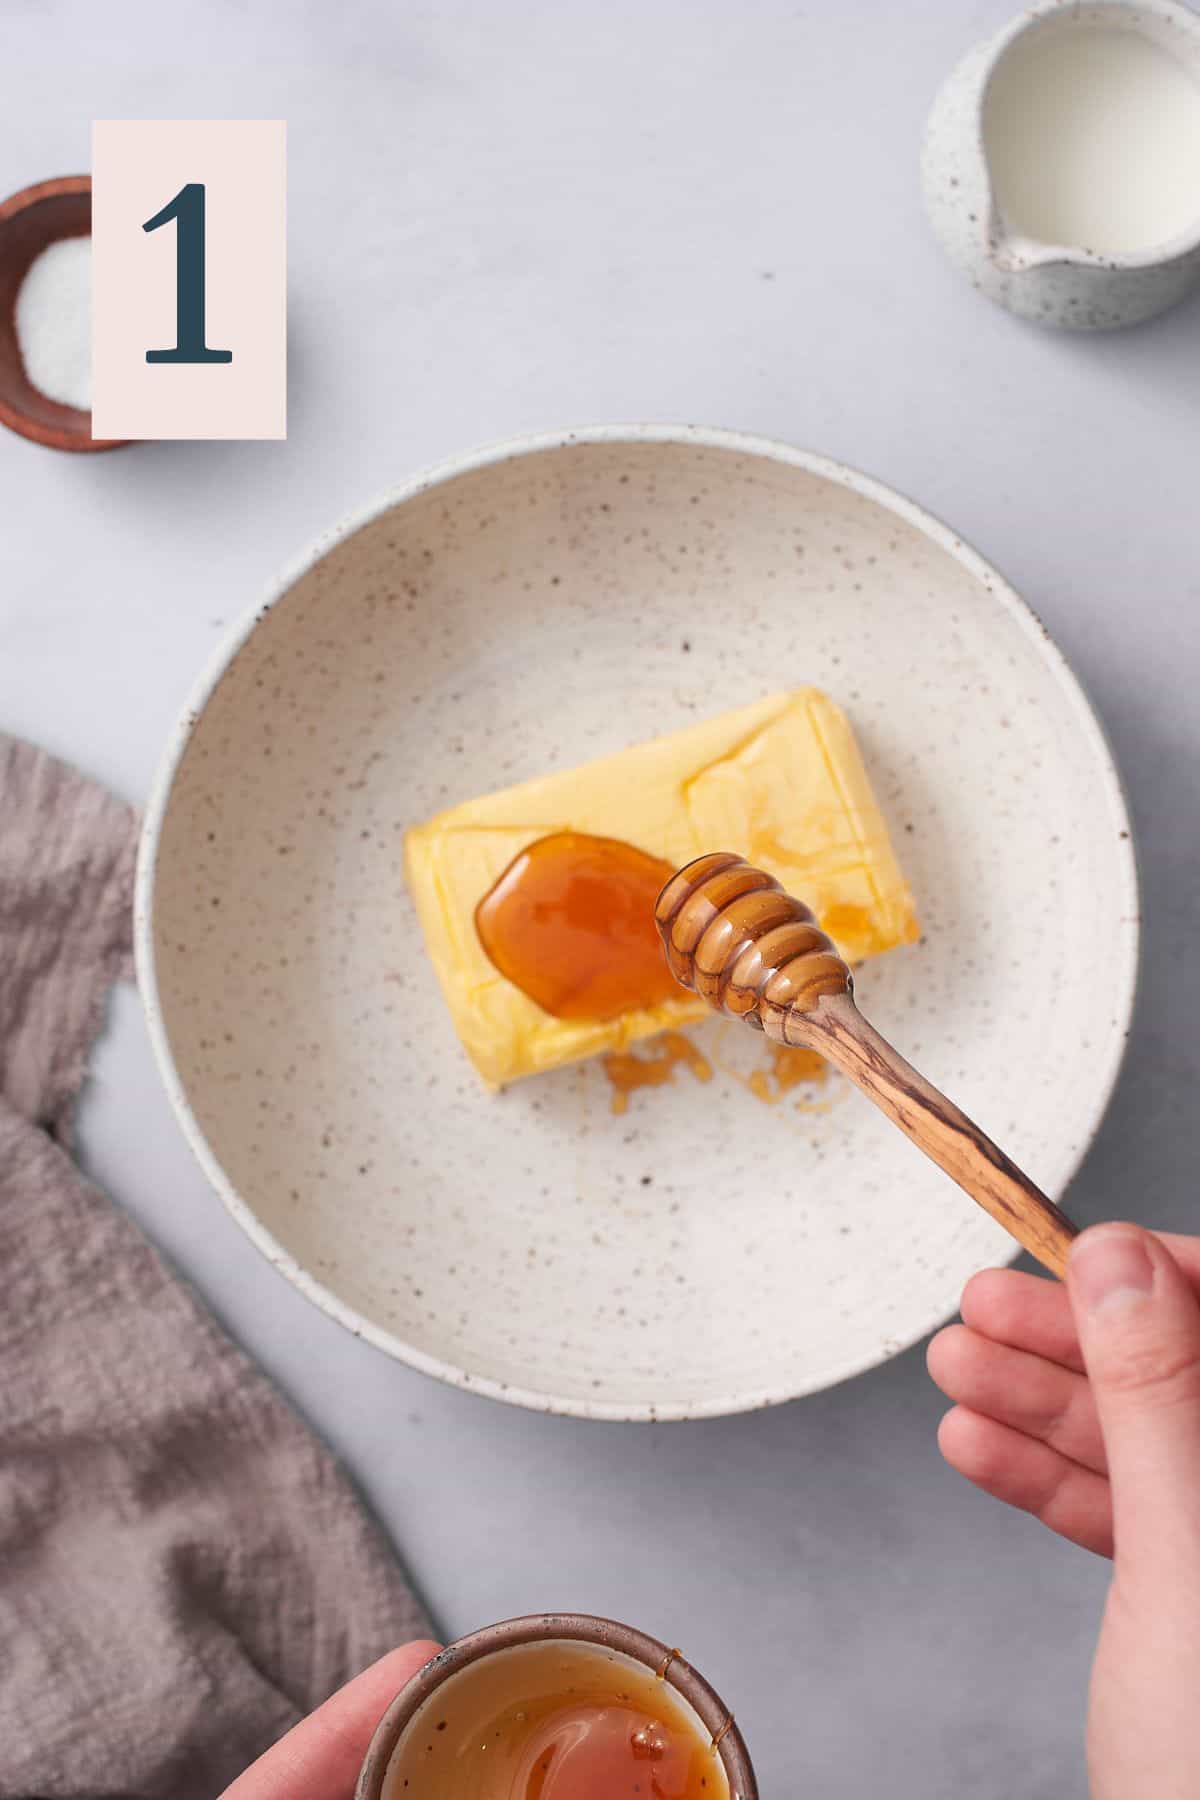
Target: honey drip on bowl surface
571 923
555 1722
627 1071
790 1067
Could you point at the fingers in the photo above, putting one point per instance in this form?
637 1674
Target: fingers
1026 1427
1028 1393
1023 1310
1072 1501
1185 1252
1138 1321
322 1755
1034 1314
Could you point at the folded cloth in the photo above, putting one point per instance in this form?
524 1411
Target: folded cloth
184 1572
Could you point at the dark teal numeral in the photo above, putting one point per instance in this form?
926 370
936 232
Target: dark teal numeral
187 210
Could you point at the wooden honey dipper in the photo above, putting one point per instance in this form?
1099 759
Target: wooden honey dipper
733 935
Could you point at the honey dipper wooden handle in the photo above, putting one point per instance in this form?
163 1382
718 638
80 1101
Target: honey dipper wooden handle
837 1028
732 935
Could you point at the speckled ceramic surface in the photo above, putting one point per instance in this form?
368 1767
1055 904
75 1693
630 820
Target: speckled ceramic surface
528 608
1062 285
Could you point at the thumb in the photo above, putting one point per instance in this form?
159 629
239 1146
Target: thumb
322 1754
1139 1329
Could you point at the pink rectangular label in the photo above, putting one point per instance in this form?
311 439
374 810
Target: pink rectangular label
189 278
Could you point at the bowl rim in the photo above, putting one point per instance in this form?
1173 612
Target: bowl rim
582 1628
1125 959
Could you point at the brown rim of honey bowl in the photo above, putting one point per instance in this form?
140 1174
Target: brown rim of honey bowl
30 222
579 1628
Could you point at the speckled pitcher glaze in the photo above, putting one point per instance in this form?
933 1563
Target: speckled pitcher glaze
1054 284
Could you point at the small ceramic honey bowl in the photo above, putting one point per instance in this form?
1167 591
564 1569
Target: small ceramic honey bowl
560 1705
30 222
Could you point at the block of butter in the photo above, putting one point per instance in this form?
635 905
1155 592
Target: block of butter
780 782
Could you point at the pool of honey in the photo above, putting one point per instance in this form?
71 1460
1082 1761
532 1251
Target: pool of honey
555 1721
570 922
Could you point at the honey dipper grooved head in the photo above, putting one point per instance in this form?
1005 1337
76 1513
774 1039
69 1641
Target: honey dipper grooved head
732 934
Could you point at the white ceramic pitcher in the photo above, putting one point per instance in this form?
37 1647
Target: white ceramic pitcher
976 129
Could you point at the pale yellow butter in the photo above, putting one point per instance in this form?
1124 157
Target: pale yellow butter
780 782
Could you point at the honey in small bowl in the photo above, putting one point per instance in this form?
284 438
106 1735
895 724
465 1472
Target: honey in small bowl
555 1720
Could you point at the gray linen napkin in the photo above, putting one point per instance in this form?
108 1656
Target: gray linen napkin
184 1572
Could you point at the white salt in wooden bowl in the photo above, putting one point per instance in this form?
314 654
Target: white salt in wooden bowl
32 221
527 608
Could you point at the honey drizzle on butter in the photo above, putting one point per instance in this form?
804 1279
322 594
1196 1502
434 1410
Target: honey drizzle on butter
570 922
847 924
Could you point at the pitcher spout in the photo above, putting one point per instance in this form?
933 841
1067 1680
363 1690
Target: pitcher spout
1011 253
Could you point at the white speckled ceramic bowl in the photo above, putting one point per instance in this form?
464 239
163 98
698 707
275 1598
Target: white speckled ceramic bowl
526 608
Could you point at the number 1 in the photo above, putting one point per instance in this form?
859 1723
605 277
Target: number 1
187 209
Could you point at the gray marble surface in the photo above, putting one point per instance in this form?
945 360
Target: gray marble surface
513 215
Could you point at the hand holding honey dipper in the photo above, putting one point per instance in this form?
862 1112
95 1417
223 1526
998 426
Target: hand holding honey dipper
1080 1404
1077 1403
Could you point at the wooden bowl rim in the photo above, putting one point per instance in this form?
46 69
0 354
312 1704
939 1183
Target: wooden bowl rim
38 191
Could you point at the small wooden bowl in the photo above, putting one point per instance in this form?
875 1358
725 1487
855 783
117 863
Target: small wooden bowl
30 221
579 1628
